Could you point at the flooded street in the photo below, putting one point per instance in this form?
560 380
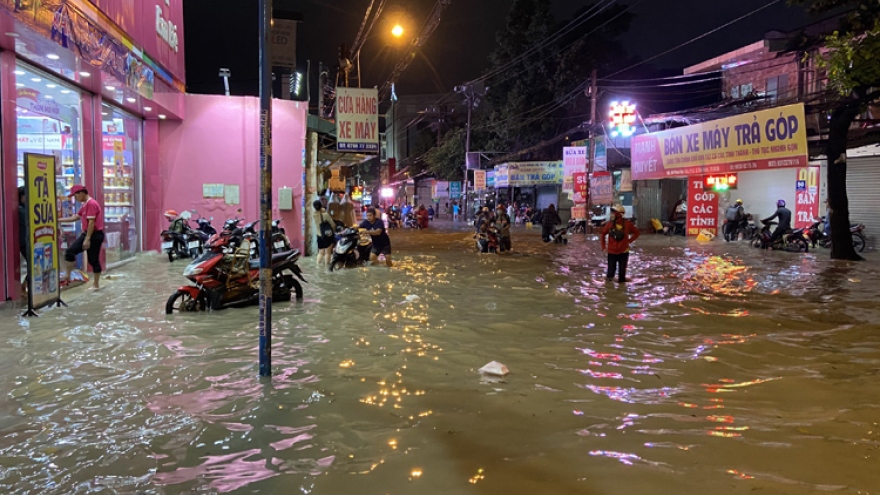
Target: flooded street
718 368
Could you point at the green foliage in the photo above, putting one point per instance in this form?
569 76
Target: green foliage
851 61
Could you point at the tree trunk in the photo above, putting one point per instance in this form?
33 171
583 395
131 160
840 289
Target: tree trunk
841 240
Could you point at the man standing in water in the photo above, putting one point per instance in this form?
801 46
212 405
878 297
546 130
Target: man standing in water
381 242
92 237
549 220
621 233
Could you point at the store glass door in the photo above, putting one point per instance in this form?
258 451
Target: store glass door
122 153
48 121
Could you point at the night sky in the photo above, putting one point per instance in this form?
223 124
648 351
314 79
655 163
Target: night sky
222 33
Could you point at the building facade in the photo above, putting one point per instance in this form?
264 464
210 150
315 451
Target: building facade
88 82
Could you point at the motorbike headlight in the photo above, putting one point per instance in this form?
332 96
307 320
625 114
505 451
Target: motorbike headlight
192 270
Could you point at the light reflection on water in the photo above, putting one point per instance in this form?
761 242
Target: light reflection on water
715 366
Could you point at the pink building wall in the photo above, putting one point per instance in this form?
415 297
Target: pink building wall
218 144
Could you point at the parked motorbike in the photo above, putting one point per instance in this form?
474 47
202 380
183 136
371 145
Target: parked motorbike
179 240
227 276
816 235
280 241
352 249
794 241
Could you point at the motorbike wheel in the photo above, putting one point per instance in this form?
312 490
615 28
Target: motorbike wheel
336 264
181 302
171 256
797 245
757 242
825 243
294 285
858 241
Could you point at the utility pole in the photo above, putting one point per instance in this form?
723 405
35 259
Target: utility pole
265 189
594 99
472 91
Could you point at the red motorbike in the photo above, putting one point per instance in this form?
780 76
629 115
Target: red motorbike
228 275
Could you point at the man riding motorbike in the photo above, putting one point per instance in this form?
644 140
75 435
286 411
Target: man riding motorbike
784 216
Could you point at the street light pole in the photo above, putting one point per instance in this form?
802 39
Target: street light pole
265 189
467 149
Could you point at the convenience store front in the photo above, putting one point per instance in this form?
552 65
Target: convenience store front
76 85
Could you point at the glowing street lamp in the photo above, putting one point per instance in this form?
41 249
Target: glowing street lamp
397 31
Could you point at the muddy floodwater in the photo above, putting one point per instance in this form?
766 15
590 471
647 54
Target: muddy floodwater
718 369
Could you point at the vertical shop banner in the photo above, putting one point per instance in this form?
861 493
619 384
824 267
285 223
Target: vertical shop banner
454 190
479 180
602 189
601 164
579 181
807 197
574 160
702 208
42 234
357 120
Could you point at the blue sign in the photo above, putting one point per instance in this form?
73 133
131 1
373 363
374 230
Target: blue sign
454 190
801 185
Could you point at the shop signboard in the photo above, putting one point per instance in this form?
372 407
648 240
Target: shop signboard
806 197
284 43
579 196
33 101
702 208
574 160
154 25
479 180
769 139
357 120
579 212
527 174
626 182
602 189
454 190
490 179
42 233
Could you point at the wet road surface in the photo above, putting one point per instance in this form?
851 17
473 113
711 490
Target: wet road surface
718 369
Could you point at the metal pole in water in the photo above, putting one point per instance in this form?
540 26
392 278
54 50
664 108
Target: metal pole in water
265 189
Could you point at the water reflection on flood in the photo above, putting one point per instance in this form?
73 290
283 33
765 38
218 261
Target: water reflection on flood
716 366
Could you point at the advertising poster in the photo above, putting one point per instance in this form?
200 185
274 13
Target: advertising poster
702 208
807 197
762 140
283 43
454 190
579 195
479 180
357 120
43 285
574 160
602 189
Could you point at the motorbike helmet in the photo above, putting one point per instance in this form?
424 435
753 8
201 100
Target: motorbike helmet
780 203
739 201
170 214
618 209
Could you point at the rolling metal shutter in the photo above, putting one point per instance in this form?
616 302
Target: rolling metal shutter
648 203
863 189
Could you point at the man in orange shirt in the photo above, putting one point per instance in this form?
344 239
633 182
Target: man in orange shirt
620 233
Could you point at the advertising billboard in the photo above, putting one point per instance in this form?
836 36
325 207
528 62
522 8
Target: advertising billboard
774 138
357 120
42 232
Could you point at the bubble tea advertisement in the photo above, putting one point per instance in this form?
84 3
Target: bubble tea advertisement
43 286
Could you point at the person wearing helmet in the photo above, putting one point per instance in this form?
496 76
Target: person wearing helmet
783 214
735 216
620 233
